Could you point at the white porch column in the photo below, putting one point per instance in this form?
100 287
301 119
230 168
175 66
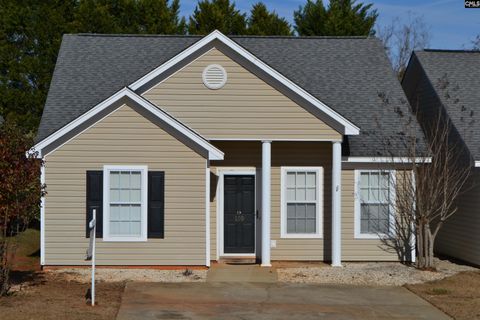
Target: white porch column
266 196
336 205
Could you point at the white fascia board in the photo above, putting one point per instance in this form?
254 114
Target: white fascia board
213 152
386 159
350 128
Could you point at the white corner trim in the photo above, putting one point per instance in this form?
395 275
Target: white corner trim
350 128
477 163
357 213
42 217
283 203
106 203
386 159
207 213
213 152
413 240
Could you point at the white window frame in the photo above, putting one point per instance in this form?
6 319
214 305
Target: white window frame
283 203
106 203
357 208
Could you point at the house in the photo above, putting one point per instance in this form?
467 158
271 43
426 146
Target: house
193 149
450 80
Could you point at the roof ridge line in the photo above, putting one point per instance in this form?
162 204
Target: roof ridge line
133 35
451 50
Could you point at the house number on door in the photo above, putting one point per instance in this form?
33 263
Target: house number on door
239 218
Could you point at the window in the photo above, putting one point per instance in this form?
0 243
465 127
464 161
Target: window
125 205
373 204
301 203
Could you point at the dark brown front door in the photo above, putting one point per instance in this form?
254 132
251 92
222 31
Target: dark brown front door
239 214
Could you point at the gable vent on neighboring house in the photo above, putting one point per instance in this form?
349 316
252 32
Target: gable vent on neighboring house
214 76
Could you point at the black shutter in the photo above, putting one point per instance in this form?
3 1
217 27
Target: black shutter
156 204
95 200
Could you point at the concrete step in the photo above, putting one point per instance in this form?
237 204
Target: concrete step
238 260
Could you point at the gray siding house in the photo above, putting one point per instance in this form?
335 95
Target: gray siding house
449 80
195 149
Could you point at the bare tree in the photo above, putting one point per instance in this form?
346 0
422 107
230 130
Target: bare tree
401 37
430 177
476 43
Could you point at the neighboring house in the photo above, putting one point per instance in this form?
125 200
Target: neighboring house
450 80
194 149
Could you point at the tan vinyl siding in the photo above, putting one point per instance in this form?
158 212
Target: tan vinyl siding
297 154
125 137
358 249
245 108
460 235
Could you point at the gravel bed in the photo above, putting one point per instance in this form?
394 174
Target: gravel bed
369 273
119 275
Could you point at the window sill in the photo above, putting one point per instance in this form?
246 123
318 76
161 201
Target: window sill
301 236
124 239
367 236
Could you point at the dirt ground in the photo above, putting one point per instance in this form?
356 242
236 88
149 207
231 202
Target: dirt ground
458 295
40 295
45 296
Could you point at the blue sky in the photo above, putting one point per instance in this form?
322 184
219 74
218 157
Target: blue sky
451 25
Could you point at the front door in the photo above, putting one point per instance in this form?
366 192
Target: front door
239 214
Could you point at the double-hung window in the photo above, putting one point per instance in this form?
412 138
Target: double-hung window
301 202
374 203
125 205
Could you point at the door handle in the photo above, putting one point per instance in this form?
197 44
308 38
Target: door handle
256 213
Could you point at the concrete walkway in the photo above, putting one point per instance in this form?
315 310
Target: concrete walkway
217 300
241 273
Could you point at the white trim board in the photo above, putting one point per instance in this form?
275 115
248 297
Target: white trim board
221 173
213 152
207 213
349 127
274 140
386 159
42 217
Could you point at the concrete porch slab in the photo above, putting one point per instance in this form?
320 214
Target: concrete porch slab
217 300
241 273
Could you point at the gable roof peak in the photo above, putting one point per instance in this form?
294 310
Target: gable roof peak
348 127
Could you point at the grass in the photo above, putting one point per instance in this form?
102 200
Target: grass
27 257
457 296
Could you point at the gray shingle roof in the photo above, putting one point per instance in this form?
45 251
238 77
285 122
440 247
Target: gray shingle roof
455 75
345 73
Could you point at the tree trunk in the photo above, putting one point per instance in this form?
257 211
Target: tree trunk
425 241
4 268
420 254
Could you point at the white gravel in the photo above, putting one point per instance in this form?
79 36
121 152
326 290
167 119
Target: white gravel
120 275
369 273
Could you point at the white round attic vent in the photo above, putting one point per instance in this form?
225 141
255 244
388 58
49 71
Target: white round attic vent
214 76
